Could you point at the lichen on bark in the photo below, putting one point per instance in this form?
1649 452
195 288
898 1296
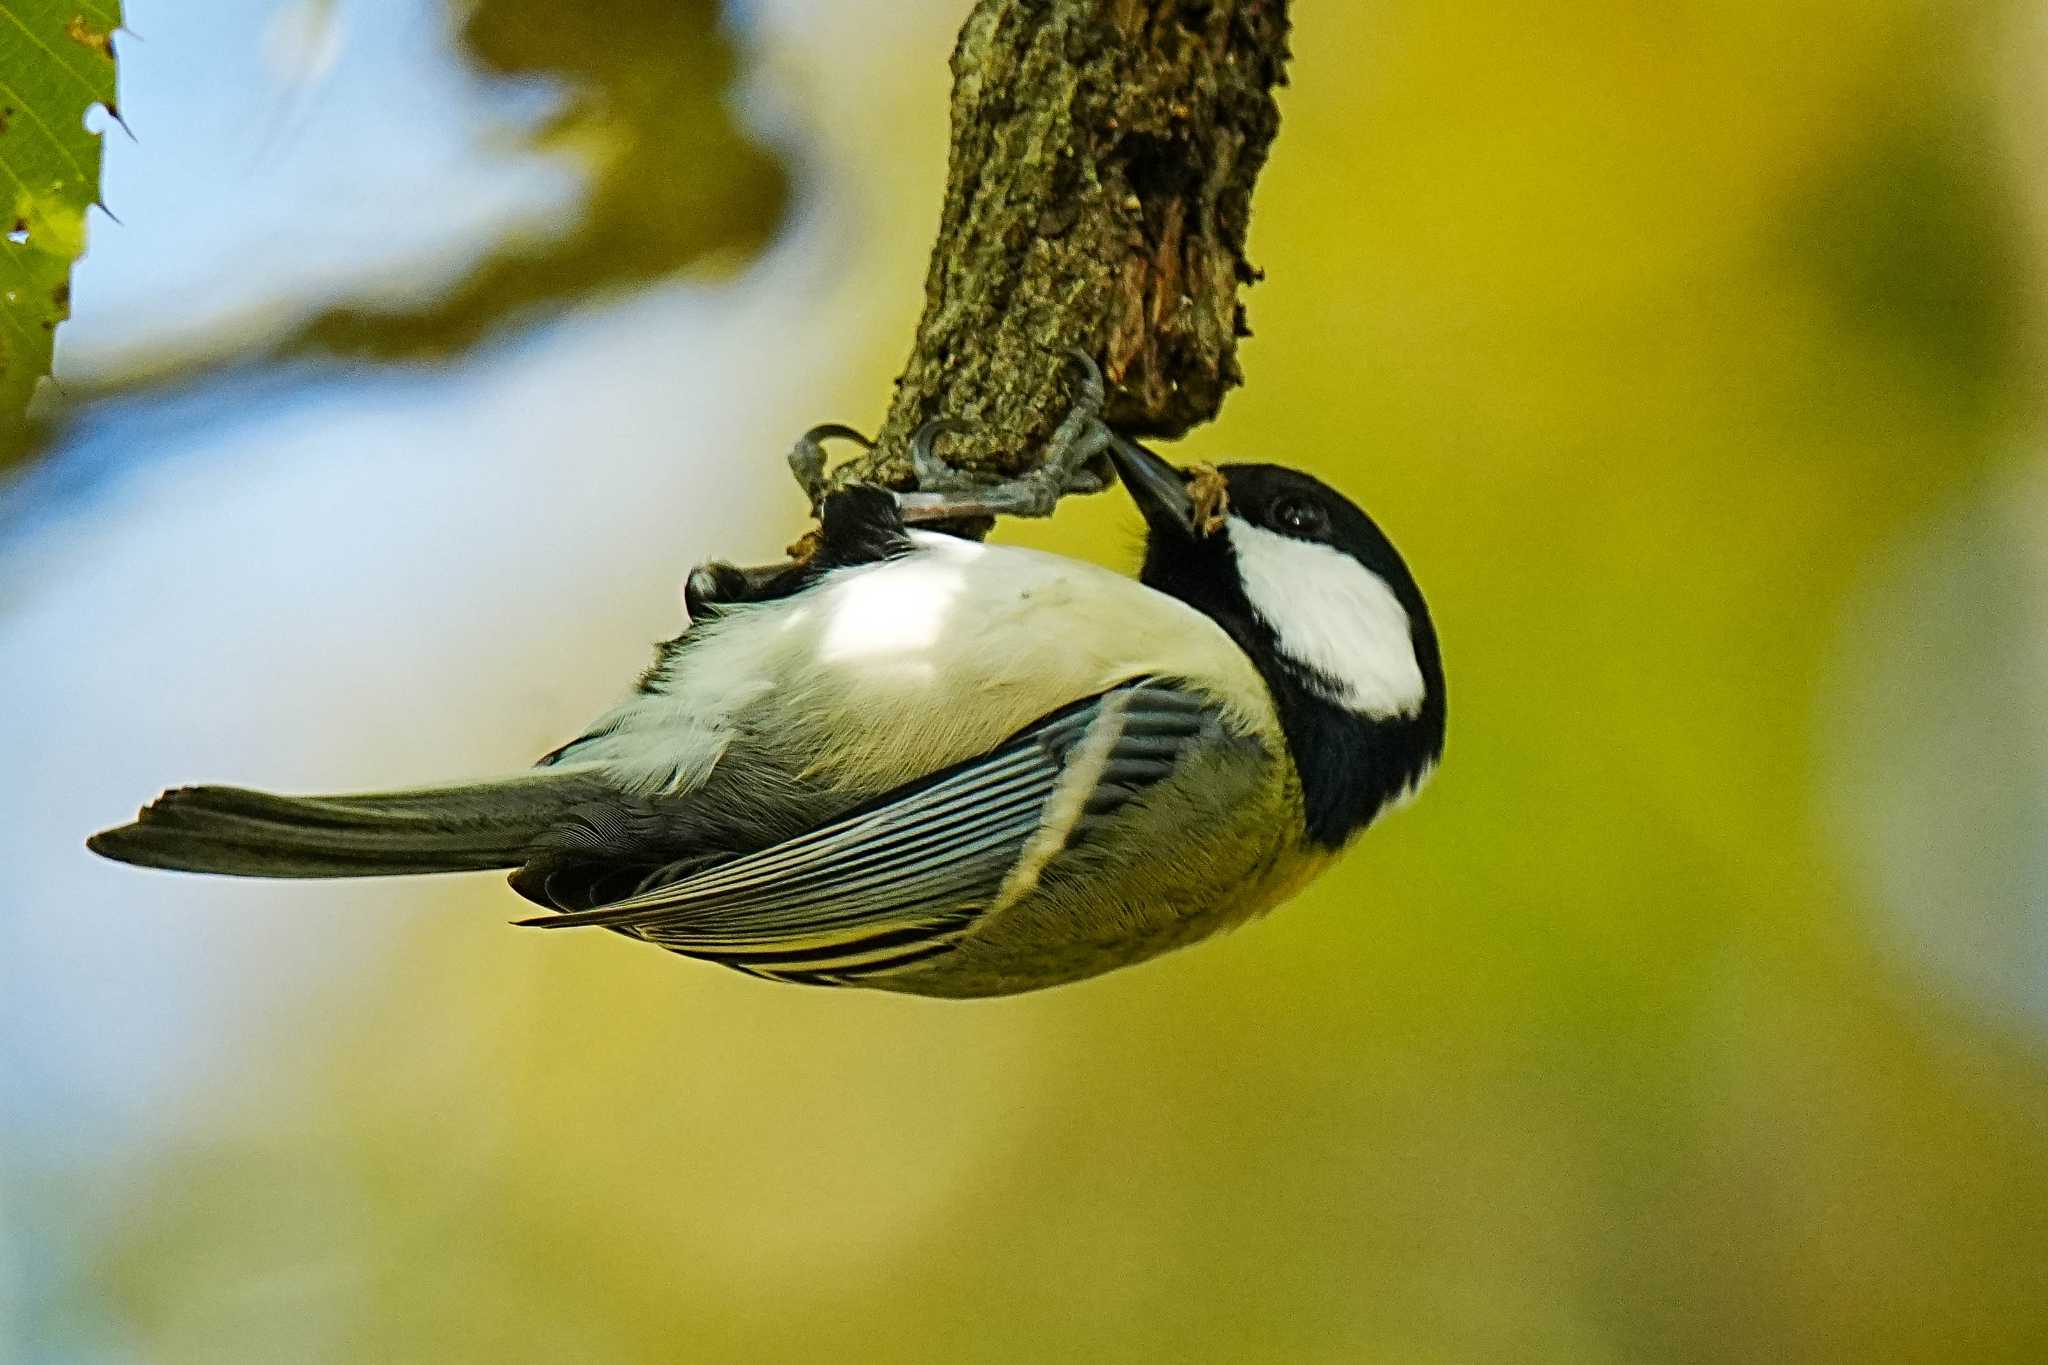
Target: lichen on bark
1098 195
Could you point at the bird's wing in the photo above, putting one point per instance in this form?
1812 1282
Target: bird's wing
903 877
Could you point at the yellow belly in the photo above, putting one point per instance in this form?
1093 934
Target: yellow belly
1210 851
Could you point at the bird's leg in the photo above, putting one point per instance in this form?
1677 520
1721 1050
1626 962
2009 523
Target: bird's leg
945 493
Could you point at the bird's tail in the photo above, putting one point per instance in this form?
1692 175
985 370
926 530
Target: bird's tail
244 833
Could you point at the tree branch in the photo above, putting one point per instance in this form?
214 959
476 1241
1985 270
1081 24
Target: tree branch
1098 195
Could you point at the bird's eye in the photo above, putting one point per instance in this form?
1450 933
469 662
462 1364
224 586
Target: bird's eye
1299 517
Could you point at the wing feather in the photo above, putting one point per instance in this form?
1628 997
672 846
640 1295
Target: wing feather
903 877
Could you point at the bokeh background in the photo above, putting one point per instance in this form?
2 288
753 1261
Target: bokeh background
1699 1012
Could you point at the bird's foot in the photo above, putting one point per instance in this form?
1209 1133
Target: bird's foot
947 493
1071 464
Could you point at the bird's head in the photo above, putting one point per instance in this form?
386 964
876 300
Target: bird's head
1323 604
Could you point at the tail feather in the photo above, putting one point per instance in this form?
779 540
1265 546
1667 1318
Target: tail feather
245 833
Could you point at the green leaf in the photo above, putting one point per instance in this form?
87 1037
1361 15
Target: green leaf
56 62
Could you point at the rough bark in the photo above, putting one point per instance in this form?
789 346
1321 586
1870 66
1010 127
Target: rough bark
1099 192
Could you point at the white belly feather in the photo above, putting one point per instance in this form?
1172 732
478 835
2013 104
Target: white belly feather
885 672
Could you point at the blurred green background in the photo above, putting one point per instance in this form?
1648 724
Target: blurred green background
1698 1013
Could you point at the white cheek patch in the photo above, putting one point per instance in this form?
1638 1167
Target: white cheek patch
1333 616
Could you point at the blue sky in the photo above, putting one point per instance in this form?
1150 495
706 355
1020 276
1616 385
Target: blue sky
263 176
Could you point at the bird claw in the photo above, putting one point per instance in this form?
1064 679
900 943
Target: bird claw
945 493
807 456
935 475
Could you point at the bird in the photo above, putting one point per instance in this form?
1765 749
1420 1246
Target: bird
921 763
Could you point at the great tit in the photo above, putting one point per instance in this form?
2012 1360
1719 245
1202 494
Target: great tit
925 764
